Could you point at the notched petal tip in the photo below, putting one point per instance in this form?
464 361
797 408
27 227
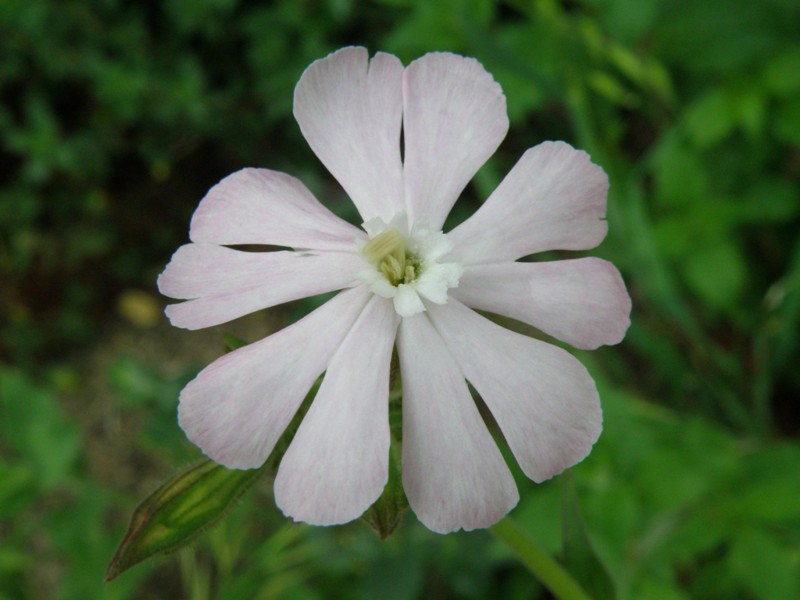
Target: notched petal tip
454 119
221 284
237 408
583 438
175 317
582 302
349 109
553 199
453 472
618 303
544 400
338 462
193 419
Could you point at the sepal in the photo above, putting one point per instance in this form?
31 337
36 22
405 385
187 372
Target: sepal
386 513
179 510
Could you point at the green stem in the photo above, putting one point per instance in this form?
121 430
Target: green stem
551 574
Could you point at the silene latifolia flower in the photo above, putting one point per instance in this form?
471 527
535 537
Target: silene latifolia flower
404 283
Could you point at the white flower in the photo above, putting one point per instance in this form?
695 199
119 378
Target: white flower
407 283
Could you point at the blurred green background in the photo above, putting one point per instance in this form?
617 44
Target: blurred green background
117 116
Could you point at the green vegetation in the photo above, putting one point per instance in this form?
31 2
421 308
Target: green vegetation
116 117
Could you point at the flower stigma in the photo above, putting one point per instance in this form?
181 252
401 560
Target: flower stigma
406 268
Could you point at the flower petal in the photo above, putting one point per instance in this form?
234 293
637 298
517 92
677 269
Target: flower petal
350 111
454 119
406 301
337 464
542 398
453 473
224 284
553 199
237 407
259 206
582 302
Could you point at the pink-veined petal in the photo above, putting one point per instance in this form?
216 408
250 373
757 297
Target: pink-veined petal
236 408
349 109
453 472
223 284
337 463
553 199
543 399
582 302
259 206
454 119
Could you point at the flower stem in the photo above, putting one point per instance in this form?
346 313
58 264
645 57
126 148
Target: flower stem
549 572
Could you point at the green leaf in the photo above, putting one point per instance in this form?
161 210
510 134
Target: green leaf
35 428
610 88
787 121
178 511
18 488
717 273
782 73
710 118
768 487
764 566
579 555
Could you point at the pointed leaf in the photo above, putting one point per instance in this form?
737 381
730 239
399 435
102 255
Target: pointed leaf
179 510
192 501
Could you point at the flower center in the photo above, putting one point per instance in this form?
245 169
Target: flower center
388 252
407 268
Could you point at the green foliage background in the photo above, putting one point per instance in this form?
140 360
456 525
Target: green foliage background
117 116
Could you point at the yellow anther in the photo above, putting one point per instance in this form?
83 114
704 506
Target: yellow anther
387 251
388 243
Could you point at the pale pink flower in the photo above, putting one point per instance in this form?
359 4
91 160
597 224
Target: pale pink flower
407 283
